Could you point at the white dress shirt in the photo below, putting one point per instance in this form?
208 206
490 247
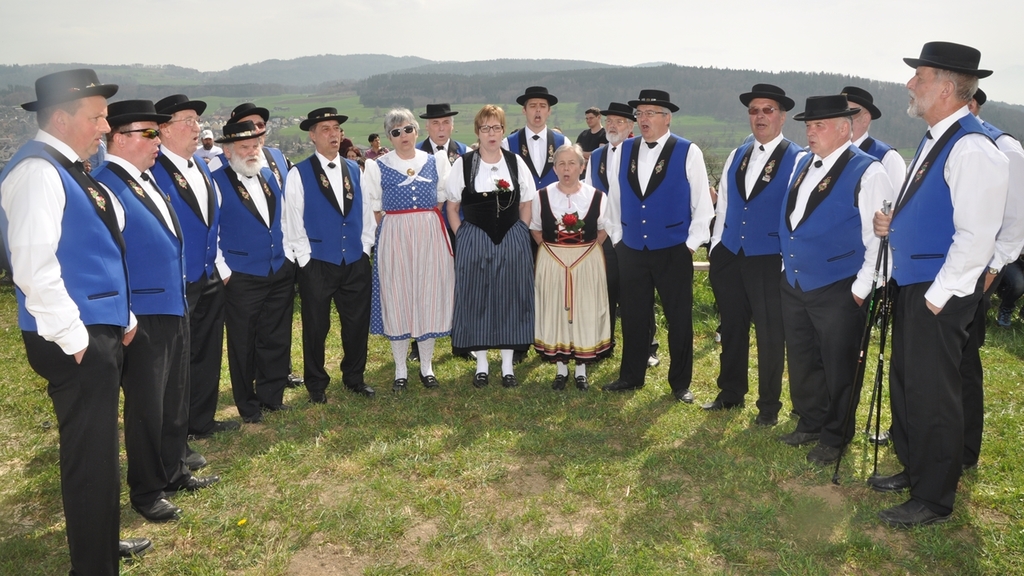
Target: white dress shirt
894 164
197 181
875 188
296 241
974 169
1010 239
147 186
372 191
758 159
612 204
702 210
562 204
486 177
33 199
538 148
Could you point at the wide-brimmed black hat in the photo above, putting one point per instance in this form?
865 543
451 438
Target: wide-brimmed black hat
68 85
240 131
127 111
177 103
248 109
980 97
950 56
862 97
770 92
619 109
654 98
438 111
322 115
537 92
823 107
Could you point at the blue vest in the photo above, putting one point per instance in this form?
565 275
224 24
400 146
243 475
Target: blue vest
875 148
282 164
454 149
753 224
155 256
248 244
91 263
598 167
922 229
662 218
200 240
992 131
826 246
547 175
333 237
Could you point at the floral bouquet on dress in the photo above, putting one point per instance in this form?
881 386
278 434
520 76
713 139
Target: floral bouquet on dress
570 229
502 186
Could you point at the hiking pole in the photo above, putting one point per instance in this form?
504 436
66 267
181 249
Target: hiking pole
865 341
876 392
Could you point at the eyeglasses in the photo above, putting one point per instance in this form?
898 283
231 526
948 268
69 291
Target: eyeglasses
260 125
190 121
767 110
147 133
396 132
650 113
494 128
615 121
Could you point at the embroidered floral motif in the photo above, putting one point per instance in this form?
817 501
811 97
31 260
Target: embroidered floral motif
324 183
824 184
920 172
743 165
632 166
551 153
180 180
136 188
100 201
525 151
659 166
453 154
768 169
277 173
266 190
244 193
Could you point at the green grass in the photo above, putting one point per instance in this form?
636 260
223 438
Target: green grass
522 481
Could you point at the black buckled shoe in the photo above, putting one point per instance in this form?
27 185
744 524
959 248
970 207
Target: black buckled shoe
480 380
582 384
509 381
559 382
400 385
429 381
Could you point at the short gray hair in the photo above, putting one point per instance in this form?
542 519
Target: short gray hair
568 147
399 117
964 85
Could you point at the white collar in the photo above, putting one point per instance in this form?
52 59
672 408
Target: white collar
58 145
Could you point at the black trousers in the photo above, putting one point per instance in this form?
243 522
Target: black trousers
926 392
155 384
670 272
747 289
823 329
258 318
206 350
973 377
348 287
85 401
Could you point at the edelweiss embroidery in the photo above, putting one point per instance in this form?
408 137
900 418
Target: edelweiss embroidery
100 201
824 184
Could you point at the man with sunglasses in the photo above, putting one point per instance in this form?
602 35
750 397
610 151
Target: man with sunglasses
331 233
187 180
155 374
536 143
745 258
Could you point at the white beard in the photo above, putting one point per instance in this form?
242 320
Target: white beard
244 168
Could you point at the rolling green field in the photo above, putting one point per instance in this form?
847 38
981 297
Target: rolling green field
523 481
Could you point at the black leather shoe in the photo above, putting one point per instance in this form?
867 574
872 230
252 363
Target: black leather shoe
218 427
800 438
429 381
256 418
519 356
194 483
620 386
319 397
400 385
911 513
480 380
823 455
194 460
294 381
160 510
274 407
582 384
768 420
684 396
133 547
895 483
363 390
509 381
559 382
719 405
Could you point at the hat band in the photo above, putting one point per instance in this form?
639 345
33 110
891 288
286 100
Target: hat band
247 133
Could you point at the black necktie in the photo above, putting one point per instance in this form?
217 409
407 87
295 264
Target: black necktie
190 164
332 165
651 145
536 137
761 148
145 177
817 163
614 148
928 134
439 148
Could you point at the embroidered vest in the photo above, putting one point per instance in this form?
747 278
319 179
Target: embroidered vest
752 224
661 217
517 145
549 226
333 237
248 244
200 239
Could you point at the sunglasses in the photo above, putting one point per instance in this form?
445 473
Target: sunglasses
147 133
395 133
767 110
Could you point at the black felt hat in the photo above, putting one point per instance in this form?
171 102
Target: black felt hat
438 111
248 109
980 97
322 115
862 97
619 109
654 98
823 107
179 102
537 92
950 56
68 85
127 111
240 131
770 92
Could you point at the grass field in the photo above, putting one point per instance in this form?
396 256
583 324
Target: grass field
523 481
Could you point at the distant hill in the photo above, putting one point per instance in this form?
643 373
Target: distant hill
314 70
501 66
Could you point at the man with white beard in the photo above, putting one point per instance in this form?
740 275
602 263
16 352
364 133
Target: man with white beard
258 312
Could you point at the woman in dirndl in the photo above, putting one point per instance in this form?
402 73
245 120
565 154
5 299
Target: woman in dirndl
413 270
494 257
570 284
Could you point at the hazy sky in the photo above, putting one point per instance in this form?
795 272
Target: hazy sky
867 39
